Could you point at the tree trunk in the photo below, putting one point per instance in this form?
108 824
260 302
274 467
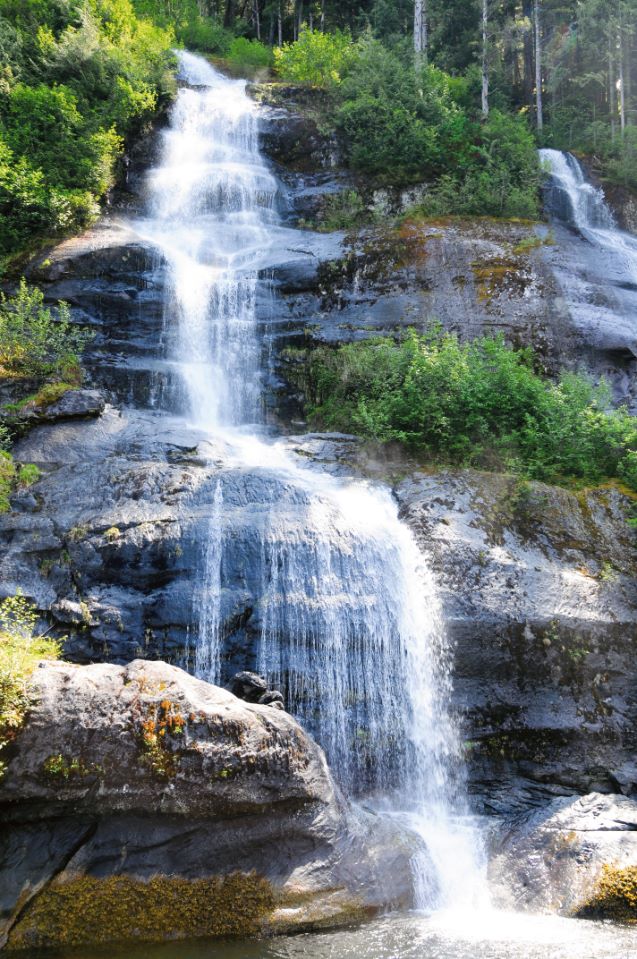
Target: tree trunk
280 24
257 19
485 58
622 89
611 88
228 18
322 16
539 114
420 31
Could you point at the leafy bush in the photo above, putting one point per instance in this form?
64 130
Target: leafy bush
499 176
203 33
397 124
20 651
318 59
249 54
79 78
32 340
479 403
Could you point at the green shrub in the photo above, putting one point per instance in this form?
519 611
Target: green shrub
32 340
498 177
479 403
318 59
79 78
249 54
397 124
203 33
20 651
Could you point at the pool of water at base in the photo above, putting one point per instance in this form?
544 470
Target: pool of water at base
484 935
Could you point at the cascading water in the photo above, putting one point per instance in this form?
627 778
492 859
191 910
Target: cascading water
572 200
349 620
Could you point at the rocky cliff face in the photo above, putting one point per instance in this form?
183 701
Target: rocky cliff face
140 802
538 584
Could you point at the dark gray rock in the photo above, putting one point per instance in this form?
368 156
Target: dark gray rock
540 599
248 686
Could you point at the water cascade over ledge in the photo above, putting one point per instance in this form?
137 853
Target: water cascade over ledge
573 200
349 621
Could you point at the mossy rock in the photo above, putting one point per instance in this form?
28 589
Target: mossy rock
90 910
614 896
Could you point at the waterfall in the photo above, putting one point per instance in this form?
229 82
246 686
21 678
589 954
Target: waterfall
573 200
349 620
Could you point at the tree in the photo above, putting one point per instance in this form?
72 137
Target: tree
539 110
485 58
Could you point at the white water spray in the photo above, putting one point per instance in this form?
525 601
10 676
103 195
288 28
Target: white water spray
350 623
575 201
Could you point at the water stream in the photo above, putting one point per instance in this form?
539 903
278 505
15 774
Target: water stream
581 205
350 625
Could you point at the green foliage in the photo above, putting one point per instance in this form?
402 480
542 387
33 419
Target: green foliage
402 125
344 211
318 59
397 123
79 77
249 55
32 339
479 403
20 651
499 177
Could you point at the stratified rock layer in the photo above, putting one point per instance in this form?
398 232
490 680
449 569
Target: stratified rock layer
178 810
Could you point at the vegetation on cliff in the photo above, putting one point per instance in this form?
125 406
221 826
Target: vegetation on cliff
20 651
39 346
76 78
479 403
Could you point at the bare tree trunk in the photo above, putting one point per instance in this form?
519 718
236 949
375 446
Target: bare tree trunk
322 16
311 20
280 24
420 31
611 88
485 58
622 90
539 113
257 19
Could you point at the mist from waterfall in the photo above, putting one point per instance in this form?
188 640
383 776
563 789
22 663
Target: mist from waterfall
350 623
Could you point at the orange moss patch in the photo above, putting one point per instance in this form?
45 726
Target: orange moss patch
614 896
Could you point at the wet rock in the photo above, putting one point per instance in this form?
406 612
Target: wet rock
198 787
74 404
553 859
273 697
539 597
247 686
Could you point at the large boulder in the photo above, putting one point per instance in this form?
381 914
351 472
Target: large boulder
577 856
141 803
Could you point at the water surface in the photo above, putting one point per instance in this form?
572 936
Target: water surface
454 935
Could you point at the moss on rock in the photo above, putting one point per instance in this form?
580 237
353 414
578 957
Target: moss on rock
614 896
90 910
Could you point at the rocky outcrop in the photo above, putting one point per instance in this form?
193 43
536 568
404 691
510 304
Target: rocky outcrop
564 858
539 592
139 802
